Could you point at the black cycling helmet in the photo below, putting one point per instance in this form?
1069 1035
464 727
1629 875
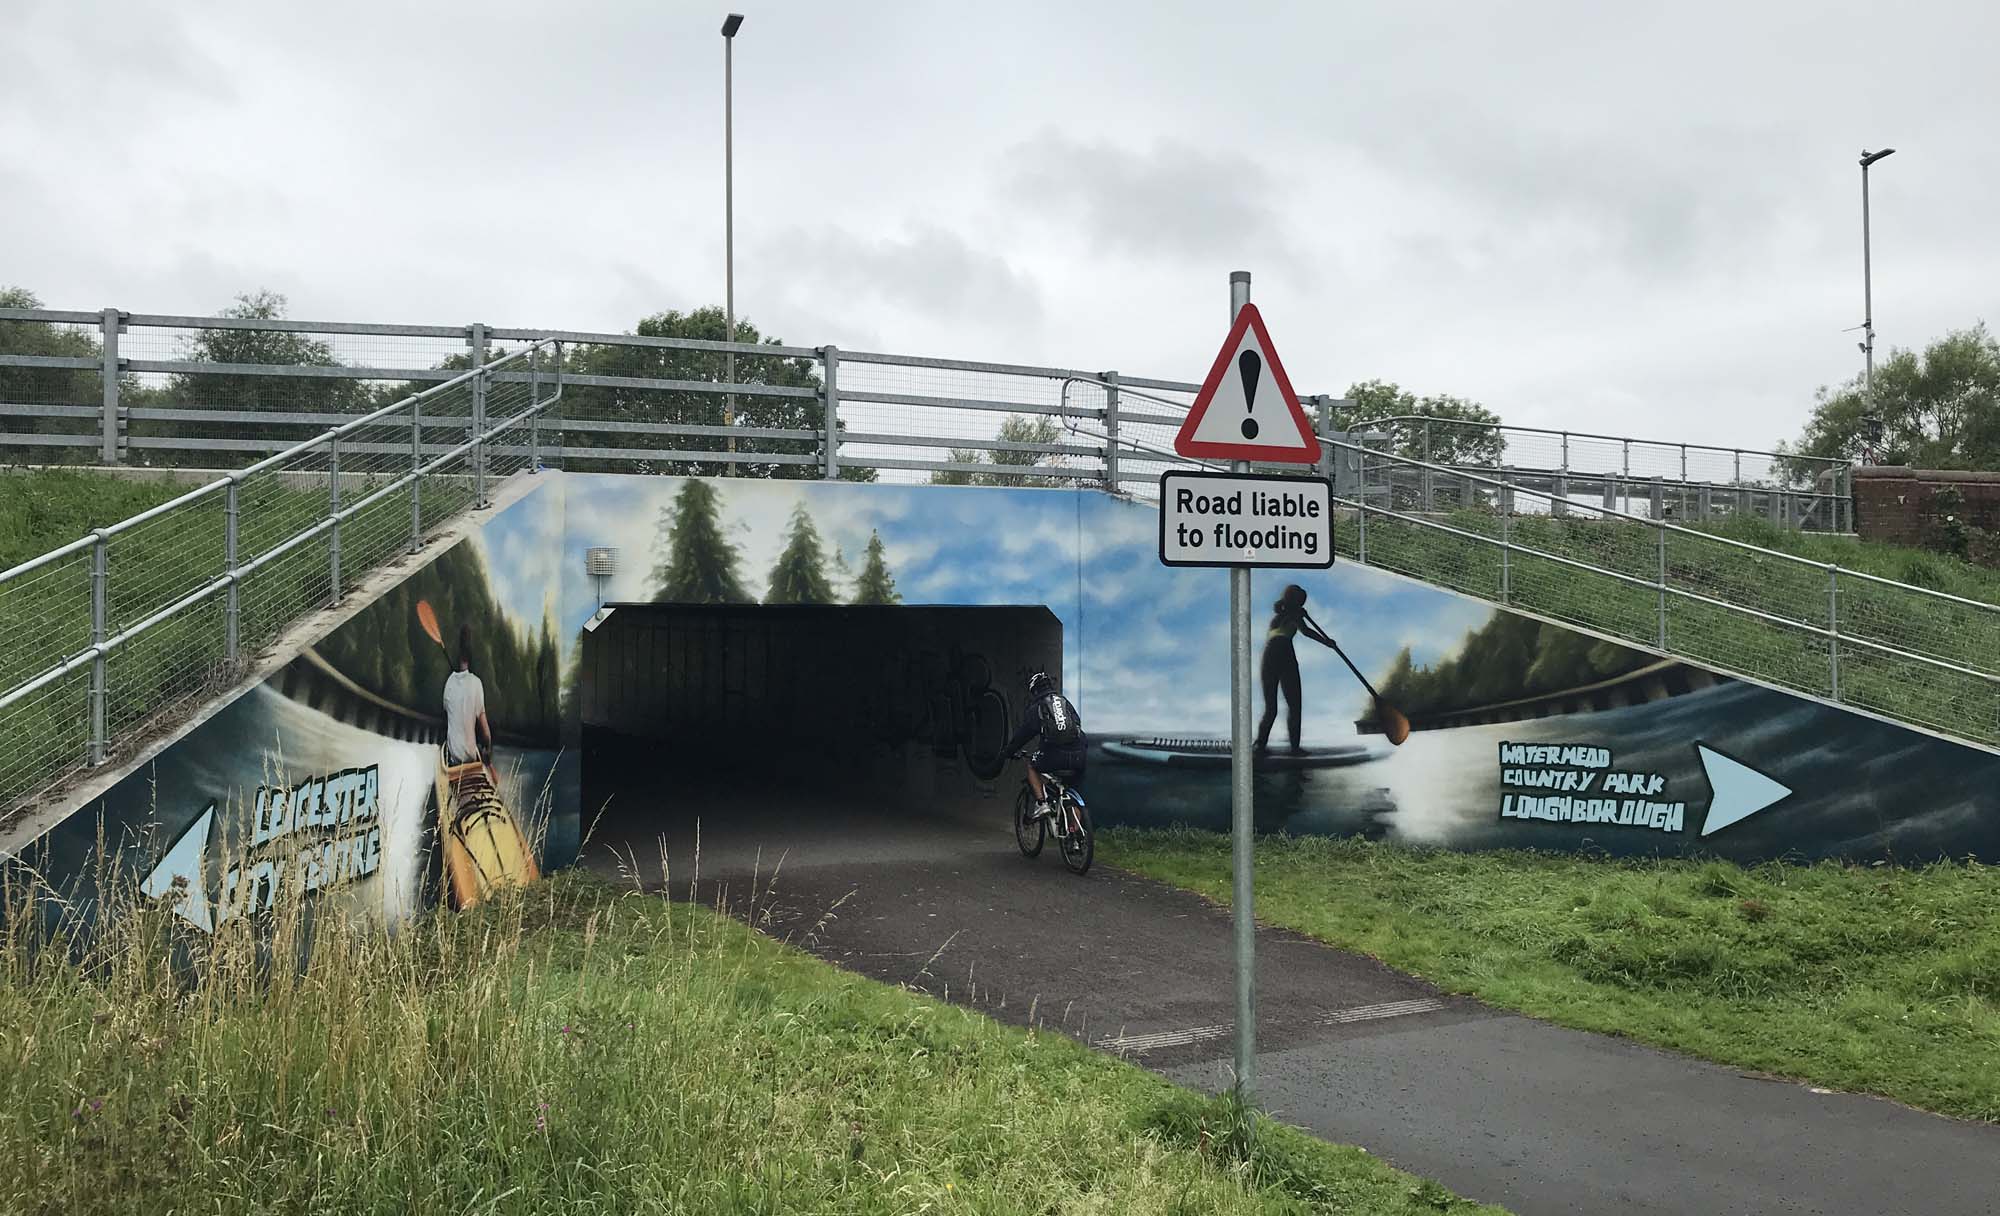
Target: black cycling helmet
1040 684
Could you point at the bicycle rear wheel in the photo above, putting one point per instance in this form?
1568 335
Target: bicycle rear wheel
1079 843
1029 828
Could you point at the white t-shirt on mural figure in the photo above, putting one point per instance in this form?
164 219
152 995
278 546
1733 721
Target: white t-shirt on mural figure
464 701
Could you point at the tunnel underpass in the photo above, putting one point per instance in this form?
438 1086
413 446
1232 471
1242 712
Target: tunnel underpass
807 736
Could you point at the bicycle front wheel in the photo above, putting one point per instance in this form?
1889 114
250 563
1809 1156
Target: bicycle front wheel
1029 828
1079 843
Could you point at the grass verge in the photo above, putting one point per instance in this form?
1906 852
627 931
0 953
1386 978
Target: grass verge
582 1048
1871 979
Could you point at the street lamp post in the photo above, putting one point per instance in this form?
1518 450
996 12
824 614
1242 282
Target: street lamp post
1868 280
730 25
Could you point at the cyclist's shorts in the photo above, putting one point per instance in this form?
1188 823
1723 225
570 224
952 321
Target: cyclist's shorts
1064 762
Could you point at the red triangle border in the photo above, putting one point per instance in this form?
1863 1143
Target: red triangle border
1248 318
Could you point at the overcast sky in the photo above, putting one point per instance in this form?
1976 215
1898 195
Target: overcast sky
1589 215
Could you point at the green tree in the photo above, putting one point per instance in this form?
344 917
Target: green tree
876 585
264 347
1015 428
799 574
252 393
697 564
1460 431
47 385
1938 410
628 404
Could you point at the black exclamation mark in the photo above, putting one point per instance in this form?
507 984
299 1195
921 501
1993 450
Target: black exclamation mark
1251 367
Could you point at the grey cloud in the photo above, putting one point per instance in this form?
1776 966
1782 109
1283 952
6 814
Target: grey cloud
1173 199
1649 199
81 54
926 273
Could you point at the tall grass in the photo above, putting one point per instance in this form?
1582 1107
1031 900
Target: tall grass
577 1047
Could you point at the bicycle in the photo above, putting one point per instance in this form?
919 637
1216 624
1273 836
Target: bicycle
1070 823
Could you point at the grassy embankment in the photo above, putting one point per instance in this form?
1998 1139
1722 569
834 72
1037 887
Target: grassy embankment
1873 979
1862 610
582 1048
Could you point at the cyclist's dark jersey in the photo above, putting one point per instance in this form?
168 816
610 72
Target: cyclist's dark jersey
1053 720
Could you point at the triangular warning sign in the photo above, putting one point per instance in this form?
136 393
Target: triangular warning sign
1246 409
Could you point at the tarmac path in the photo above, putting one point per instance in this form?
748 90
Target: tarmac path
1496 1106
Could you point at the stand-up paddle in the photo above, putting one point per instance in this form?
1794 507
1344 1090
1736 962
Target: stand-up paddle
1395 726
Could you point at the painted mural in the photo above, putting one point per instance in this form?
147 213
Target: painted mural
332 777
1526 734
338 776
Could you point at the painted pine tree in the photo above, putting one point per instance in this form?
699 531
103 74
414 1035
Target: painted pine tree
876 585
799 574
842 576
697 565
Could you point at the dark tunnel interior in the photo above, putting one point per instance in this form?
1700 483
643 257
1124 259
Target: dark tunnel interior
774 721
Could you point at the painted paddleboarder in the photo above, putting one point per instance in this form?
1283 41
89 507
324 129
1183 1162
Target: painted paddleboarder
1280 667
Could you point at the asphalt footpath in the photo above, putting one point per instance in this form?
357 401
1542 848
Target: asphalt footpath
1495 1106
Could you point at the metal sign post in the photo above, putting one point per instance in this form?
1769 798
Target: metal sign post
1242 833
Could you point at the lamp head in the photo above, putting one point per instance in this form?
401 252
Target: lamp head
734 20
1868 158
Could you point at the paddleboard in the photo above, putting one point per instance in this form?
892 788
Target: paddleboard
485 849
1214 753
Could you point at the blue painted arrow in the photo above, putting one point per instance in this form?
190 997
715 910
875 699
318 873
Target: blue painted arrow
181 874
1739 790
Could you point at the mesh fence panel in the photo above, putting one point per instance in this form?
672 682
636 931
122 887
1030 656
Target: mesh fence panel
46 731
1689 482
44 617
51 415
969 425
233 396
655 408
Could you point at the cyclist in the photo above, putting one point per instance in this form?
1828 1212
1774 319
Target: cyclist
1051 718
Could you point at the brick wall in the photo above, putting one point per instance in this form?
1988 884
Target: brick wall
1897 505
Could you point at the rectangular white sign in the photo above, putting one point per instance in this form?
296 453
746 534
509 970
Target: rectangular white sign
1241 519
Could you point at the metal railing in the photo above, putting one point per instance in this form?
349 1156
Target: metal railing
153 389
1657 478
104 637
1901 652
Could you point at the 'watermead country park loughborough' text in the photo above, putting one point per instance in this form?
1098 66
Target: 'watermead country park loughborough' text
1573 784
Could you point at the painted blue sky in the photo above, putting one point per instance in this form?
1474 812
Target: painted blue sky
522 546
1146 647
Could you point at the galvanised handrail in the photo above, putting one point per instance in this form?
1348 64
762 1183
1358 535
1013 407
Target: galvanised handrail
234 573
